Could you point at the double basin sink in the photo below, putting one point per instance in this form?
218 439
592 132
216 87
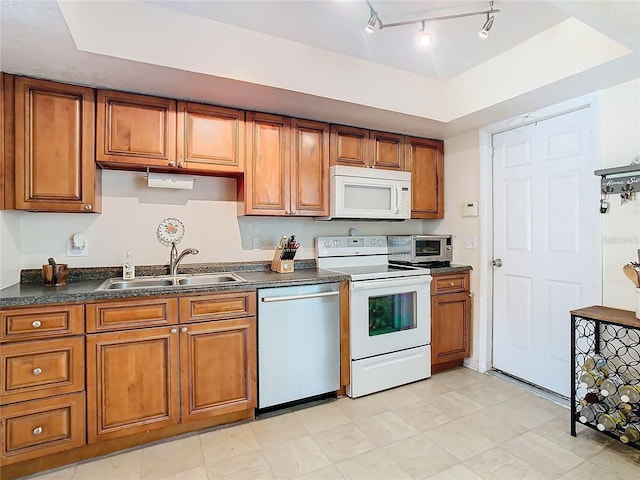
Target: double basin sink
187 280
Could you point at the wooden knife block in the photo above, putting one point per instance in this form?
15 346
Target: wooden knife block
279 265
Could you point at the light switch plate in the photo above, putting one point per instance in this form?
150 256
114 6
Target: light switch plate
470 242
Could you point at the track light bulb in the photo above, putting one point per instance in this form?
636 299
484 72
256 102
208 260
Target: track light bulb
371 23
423 37
484 33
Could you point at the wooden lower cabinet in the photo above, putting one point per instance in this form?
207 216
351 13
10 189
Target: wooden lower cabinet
132 382
41 427
450 320
218 367
145 379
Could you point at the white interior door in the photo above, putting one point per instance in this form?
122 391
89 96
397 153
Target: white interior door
545 202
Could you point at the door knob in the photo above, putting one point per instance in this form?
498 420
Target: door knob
497 262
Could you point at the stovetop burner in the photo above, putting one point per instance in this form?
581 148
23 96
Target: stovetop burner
361 257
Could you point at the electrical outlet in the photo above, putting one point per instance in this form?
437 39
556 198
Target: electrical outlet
256 243
73 251
470 242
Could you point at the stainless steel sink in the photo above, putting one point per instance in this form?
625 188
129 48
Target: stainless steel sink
115 284
210 279
171 281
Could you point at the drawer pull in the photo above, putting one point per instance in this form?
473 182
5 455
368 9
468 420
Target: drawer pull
36 323
451 284
37 371
37 430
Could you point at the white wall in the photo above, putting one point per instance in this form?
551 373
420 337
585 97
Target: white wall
130 216
620 143
462 173
10 258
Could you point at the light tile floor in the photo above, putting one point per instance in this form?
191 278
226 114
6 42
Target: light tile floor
456 425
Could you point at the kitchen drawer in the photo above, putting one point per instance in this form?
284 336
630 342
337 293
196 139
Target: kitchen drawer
41 427
450 283
217 306
41 322
41 368
140 313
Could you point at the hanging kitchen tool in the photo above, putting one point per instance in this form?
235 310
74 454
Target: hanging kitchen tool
633 274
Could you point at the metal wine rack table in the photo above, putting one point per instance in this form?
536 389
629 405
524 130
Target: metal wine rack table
612 333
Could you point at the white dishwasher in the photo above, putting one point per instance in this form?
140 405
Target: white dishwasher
298 342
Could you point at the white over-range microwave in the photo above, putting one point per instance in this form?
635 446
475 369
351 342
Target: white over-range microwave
369 193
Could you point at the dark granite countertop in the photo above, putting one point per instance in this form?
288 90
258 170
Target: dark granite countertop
82 284
450 269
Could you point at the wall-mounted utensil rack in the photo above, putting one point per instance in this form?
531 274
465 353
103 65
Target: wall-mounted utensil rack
615 180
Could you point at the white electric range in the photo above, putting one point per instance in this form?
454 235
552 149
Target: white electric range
389 313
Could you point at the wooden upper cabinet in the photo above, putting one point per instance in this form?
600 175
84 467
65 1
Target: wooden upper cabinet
135 130
54 147
309 168
425 161
358 147
210 139
387 151
349 146
265 186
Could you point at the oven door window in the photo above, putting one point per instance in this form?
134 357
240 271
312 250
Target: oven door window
428 248
391 313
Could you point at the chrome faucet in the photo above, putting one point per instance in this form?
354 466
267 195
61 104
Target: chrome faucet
175 259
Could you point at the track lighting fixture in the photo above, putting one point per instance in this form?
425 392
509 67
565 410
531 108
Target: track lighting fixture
484 33
372 20
423 36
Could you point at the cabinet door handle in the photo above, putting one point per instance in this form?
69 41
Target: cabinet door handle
184 329
37 430
181 164
37 371
293 212
88 206
172 163
174 330
36 323
451 284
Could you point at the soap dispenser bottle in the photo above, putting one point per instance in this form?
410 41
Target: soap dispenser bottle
128 268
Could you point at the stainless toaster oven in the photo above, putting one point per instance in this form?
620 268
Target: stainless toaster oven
420 249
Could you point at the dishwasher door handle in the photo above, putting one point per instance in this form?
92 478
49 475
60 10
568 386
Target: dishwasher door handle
286 298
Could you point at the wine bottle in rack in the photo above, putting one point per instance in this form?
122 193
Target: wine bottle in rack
593 362
609 386
629 393
631 433
589 413
593 397
590 379
610 421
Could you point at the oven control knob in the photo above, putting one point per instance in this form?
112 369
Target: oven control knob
327 243
336 242
373 241
381 242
